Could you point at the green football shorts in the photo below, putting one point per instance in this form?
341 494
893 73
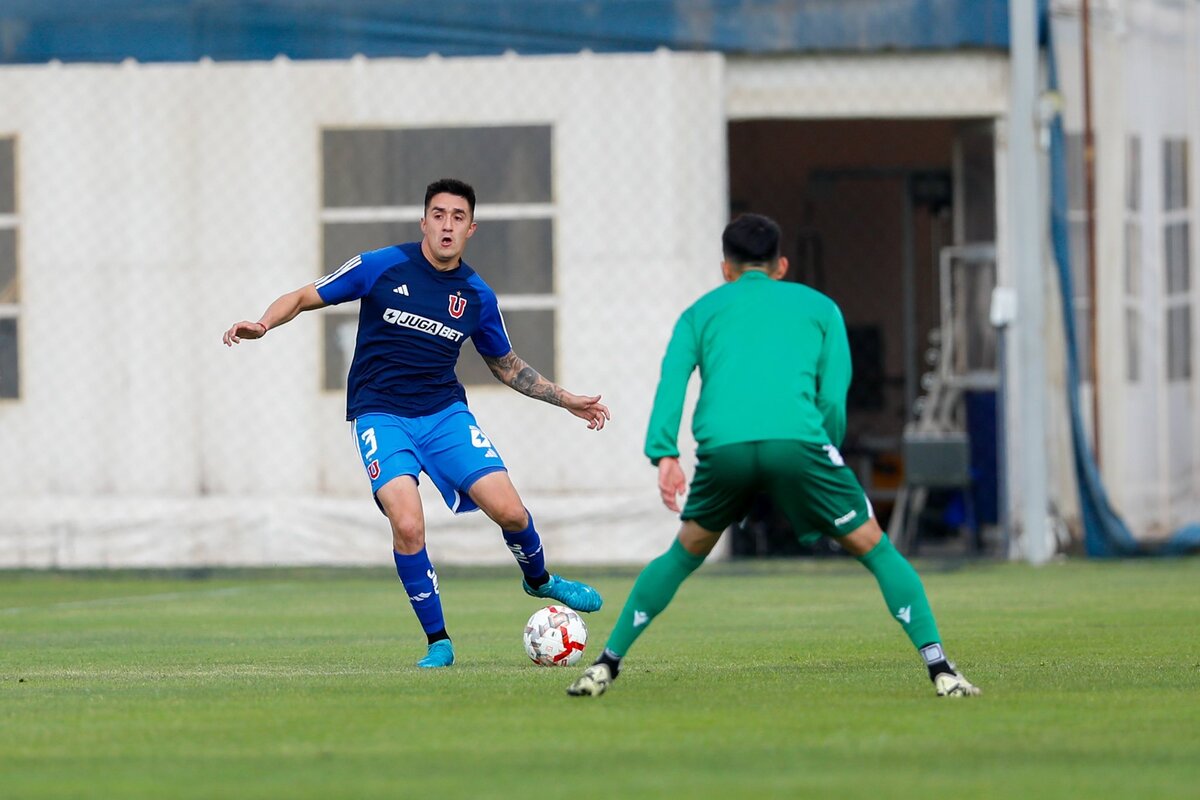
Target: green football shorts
809 482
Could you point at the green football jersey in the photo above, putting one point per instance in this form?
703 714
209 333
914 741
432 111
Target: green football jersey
774 364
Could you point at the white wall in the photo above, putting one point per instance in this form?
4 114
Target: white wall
1139 88
1145 84
158 204
876 85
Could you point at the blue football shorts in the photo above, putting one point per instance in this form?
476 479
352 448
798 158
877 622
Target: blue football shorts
447 446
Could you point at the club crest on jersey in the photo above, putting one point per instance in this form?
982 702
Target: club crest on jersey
373 469
458 305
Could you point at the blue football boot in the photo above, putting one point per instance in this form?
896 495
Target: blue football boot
574 594
441 654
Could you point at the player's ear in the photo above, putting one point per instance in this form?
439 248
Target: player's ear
781 268
728 272
471 229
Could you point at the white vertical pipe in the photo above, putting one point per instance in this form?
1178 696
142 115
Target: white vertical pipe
1026 240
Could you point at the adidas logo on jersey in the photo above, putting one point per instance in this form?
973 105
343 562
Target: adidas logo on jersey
401 289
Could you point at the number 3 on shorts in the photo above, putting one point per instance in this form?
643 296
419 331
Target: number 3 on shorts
368 439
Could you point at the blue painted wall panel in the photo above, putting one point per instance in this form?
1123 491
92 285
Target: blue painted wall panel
36 31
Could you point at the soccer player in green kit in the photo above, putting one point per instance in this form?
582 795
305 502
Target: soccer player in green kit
774 363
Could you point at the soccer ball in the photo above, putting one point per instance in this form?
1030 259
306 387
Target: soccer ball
555 637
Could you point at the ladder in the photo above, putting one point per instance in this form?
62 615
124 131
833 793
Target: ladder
962 356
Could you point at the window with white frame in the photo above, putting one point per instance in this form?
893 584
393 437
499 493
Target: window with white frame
1177 266
1133 259
374 194
1079 249
10 284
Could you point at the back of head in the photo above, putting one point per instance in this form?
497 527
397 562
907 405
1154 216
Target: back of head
451 186
751 239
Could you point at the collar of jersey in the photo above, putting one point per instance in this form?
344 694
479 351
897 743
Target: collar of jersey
755 273
421 259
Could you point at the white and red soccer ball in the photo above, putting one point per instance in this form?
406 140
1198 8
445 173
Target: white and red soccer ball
555 637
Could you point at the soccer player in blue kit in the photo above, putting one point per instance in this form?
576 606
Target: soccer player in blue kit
419 303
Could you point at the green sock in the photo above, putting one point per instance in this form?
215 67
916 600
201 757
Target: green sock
651 593
903 592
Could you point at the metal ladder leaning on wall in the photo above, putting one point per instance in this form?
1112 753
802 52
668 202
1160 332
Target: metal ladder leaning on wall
962 356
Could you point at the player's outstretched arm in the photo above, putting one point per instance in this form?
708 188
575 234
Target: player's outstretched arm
284 309
512 370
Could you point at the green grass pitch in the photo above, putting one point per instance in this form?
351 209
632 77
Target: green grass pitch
772 679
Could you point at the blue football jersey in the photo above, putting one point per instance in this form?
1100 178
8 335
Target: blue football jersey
412 323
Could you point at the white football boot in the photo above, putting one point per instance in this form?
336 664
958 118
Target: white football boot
953 684
594 682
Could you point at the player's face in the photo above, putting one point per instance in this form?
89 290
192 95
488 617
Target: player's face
447 225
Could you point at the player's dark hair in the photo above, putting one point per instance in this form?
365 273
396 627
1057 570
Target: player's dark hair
751 239
451 186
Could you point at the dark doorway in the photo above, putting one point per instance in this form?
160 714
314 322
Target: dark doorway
866 207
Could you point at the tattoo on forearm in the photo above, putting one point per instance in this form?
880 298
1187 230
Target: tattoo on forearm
512 370
525 380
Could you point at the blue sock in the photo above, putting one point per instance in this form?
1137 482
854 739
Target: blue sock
526 547
421 584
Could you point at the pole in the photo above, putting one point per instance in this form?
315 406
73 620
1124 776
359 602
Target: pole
911 369
1089 184
1026 241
